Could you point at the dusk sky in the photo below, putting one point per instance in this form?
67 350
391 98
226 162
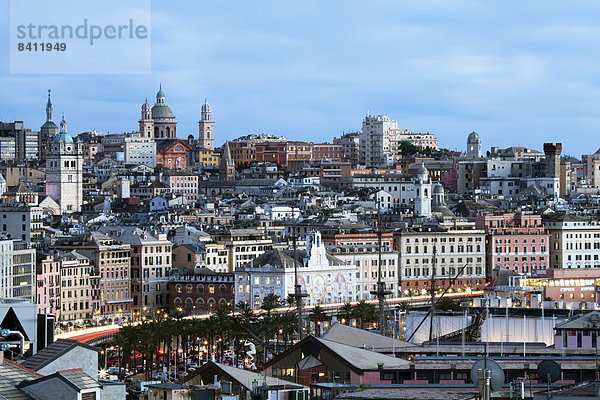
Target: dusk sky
518 73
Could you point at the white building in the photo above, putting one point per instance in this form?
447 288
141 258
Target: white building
324 278
64 176
23 223
17 270
574 241
280 212
365 257
375 140
140 150
380 141
401 187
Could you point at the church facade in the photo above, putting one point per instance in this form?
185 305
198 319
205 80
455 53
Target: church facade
159 121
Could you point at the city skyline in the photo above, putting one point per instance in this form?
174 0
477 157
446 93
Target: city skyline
514 75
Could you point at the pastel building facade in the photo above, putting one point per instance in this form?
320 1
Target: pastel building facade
515 241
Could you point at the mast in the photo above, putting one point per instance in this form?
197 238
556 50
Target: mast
380 292
432 290
298 295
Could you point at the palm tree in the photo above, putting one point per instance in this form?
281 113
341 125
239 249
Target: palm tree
365 313
345 313
290 300
317 316
448 304
289 325
270 302
224 324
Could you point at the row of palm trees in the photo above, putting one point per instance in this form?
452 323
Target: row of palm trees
174 339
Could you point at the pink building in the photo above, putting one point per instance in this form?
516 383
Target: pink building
48 284
515 241
182 184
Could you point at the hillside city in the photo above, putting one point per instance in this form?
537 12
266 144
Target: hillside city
376 264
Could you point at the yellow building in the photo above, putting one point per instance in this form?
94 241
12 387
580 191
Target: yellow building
208 157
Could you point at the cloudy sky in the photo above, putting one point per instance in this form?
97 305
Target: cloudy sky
518 73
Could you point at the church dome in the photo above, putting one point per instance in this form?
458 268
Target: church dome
205 107
421 169
49 125
473 136
162 111
438 188
160 93
63 138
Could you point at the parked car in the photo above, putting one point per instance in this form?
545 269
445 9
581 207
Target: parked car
160 375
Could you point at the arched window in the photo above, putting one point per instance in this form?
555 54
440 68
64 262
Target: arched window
178 288
200 289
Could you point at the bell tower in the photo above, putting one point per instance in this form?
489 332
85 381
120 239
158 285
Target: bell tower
146 122
206 125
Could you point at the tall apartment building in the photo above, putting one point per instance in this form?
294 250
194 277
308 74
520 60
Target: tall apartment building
111 260
380 141
18 143
574 241
151 264
17 270
455 245
350 143
375 140
515 241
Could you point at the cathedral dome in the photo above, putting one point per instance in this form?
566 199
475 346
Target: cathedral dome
63 138
438 188
205 107
162 111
